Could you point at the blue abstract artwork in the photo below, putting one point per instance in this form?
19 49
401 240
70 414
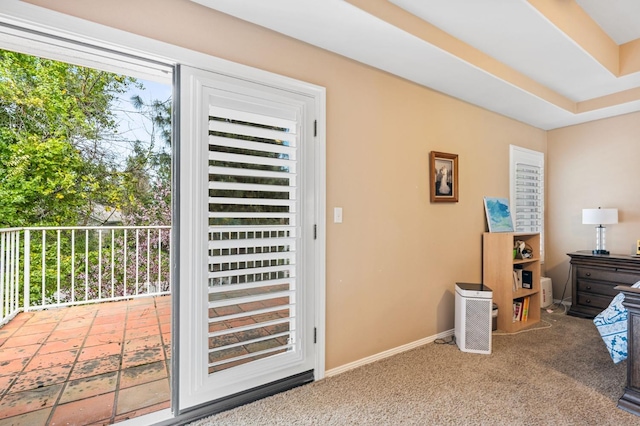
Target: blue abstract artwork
498 214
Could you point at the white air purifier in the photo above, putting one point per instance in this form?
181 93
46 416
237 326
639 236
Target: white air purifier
546 292
474 305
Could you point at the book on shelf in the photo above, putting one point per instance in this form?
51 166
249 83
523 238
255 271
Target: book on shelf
527 279
517 277
517 310
521 309
525 309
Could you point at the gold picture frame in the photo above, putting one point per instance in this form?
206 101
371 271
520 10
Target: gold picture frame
443 177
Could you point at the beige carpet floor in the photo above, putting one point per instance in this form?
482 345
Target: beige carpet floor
558 375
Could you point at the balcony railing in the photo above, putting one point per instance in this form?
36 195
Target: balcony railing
47 267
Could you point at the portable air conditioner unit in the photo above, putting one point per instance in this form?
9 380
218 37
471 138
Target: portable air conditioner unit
546 292
473 320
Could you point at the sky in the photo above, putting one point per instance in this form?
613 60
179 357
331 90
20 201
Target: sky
131 125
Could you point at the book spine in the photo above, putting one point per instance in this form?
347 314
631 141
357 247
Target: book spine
526 279
518 309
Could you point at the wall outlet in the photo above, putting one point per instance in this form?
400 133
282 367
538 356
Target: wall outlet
638 247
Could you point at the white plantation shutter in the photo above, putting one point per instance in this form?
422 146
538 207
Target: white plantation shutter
527 191
252 236
249 207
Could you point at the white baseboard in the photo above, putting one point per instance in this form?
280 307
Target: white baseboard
386 354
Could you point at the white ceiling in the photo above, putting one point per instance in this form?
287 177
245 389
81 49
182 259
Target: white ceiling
618 18
513 32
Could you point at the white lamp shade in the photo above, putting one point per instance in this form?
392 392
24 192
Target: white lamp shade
599 216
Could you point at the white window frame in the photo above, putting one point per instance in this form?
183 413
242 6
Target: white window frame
520 155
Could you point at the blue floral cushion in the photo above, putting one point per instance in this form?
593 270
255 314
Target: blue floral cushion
612 326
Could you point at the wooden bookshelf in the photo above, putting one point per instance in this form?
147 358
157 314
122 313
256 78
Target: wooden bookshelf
498 265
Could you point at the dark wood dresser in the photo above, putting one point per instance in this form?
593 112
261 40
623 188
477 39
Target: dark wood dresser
593 278
630 400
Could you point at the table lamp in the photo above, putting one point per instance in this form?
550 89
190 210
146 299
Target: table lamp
599 217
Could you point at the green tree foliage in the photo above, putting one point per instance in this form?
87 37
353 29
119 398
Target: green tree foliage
58 129
41 182
53 116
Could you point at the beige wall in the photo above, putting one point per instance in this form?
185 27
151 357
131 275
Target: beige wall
393 263
588 166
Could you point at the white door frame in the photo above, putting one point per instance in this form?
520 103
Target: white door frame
26 17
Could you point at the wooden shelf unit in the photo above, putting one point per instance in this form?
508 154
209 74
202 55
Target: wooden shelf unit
497 273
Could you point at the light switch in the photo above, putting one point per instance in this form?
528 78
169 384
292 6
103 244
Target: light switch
337 215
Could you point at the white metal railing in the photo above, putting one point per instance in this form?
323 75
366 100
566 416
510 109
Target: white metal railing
47 267
9 273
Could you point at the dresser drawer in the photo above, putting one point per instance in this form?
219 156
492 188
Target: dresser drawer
593 278
597 288
594 301
611 275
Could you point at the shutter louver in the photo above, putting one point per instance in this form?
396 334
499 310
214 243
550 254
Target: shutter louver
528 208
527 191
252 236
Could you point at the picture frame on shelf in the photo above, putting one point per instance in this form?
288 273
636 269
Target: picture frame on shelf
443 177
498 214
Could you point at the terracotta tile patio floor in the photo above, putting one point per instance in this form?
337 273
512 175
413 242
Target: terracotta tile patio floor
86 365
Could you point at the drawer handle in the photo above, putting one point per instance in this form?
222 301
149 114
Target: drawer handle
588 300
588 287
588 274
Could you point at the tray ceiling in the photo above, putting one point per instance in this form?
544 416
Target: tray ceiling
548 63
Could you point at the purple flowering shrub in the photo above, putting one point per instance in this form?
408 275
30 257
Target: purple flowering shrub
105 263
